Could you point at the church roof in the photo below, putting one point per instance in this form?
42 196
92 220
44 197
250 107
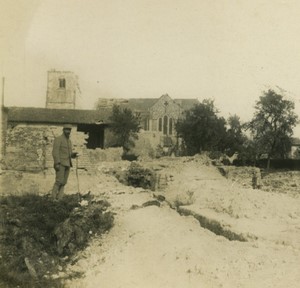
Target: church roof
144 104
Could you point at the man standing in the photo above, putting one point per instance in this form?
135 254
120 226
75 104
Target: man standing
62 154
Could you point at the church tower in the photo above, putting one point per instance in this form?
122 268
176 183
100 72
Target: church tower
62 89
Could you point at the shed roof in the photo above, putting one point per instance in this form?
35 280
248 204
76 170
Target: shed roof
57 116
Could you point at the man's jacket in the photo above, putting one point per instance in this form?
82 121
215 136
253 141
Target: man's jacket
62 151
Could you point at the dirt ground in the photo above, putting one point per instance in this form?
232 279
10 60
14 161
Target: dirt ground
155 246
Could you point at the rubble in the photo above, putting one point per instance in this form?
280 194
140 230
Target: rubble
75 231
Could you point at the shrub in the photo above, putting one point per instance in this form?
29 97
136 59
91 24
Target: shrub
137 176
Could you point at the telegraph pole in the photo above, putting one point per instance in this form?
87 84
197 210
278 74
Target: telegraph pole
2 130
2 98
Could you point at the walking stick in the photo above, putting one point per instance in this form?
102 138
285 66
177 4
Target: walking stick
78 191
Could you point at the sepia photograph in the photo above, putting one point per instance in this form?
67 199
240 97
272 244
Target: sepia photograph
150 143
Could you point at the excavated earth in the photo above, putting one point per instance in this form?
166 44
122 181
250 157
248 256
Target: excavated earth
192 227
197 229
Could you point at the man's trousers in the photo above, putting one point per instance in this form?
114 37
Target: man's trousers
61 179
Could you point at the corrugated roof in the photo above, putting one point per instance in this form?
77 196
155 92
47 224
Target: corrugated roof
57 116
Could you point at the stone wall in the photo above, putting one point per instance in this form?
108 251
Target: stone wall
24 148
28 147
150 145
146 144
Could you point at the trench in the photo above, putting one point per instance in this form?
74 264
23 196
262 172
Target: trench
209 224
212 225
139 175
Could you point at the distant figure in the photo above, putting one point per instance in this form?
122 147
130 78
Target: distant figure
256 179
62 154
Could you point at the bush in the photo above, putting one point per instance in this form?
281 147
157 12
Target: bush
137 176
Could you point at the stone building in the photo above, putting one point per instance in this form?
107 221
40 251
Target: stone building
158 115
62 90
30 132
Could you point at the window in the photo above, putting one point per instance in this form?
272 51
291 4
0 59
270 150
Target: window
170 126
62 83
146 124
160 124
165 125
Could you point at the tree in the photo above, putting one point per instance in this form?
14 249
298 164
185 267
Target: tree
235 137
248 153
201 129
272 125
125 126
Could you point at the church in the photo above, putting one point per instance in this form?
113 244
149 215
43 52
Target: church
157 115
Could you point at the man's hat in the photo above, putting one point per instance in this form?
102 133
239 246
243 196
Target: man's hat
67 126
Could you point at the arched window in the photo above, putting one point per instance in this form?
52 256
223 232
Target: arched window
170 126
165 125
160 124
146 125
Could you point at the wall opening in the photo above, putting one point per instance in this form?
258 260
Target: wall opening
95 135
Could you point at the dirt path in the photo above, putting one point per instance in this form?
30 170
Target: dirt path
156 247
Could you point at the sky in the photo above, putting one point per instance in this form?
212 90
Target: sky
227 50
